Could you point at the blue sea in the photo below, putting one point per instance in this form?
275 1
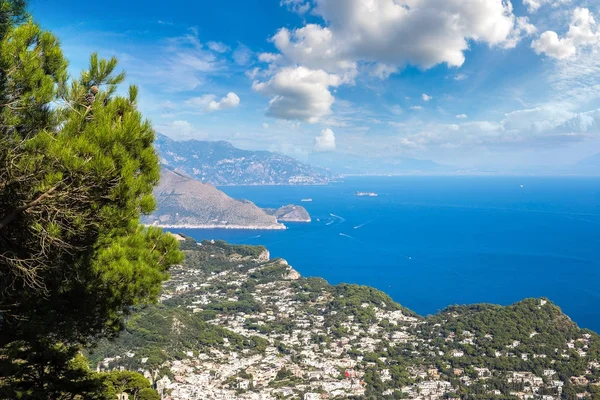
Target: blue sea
430 242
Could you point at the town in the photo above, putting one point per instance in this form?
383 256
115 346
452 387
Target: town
285 336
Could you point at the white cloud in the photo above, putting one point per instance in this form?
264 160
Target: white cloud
419 32
299 93
298 6
461 116
325 141
416 108
181 65
180 130
534 5
232 100
540 127
383 71
460 77
218 47
269 57
265 125
378 37
242 55
582 33
209 103
396 109
314 47
550 44
425 97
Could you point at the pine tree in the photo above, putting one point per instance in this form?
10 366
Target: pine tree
77 169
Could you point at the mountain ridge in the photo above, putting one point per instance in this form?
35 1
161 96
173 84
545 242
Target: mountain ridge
222 164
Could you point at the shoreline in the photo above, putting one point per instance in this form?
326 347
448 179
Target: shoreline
236 227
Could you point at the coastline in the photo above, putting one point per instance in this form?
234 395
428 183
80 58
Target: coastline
237 227
296 221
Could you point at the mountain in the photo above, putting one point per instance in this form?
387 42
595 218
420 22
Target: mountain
219 163
355 164
587 166
185 202
234 324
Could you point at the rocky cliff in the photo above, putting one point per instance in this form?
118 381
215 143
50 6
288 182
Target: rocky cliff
289 213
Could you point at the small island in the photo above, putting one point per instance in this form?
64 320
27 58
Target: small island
289 213
366 194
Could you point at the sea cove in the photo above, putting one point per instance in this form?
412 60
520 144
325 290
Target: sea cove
430 242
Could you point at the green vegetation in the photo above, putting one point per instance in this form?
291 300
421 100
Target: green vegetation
271 273
157 334
75 177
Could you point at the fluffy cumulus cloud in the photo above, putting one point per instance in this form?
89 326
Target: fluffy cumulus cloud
544 127
325 141
420 32
299 93
583 33
379 37
209 102
426 97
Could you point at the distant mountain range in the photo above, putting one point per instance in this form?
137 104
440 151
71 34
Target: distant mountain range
183 202
359 165
220 163
587 166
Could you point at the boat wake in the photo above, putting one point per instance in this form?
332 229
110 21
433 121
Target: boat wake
338 217
361 225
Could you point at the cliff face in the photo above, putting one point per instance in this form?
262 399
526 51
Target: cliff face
185 202
220 163
289 213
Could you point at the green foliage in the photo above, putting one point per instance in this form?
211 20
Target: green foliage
12 12
148 394
51 371
161 333
75 177
270 273
242 250
132 383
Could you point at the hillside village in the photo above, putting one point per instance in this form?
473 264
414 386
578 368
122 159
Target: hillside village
234 324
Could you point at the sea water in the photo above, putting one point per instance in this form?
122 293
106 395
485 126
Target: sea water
430 242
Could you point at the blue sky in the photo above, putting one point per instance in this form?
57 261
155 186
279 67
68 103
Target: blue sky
471 83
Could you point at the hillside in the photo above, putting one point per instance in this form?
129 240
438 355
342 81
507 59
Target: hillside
185 202
219 163
232 323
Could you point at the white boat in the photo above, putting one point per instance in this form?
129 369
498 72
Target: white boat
306 200
366 194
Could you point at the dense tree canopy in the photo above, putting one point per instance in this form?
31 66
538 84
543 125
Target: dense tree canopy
77 169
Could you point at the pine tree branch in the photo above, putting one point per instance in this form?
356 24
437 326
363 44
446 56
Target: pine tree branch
13 215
